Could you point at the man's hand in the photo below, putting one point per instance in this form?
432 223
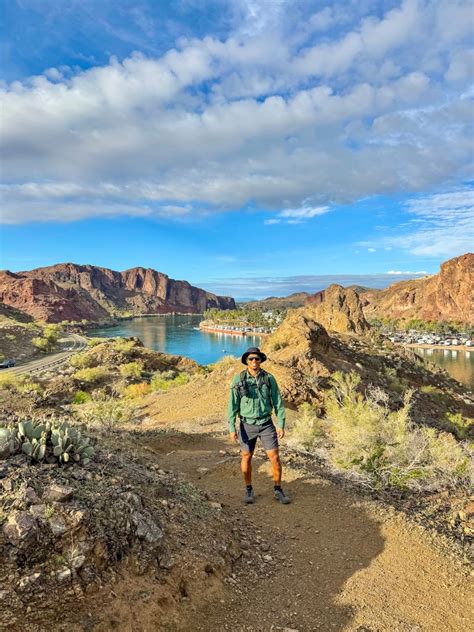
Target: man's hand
233 437
280 433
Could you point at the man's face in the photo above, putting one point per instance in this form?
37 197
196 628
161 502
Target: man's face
253 363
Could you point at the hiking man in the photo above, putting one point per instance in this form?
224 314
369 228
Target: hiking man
253 395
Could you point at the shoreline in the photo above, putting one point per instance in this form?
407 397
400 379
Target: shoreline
232 332
444 347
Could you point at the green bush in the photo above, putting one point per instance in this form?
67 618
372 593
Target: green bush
81 397
122 344
164 381
131 370
307 430
93 342
41 343
463 427
136 390
92 375
384 446
82 360
19 383
437 395
107 412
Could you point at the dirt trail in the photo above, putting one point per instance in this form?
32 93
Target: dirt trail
335 561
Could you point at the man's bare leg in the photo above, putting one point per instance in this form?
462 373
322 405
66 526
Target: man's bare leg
246 466
274 456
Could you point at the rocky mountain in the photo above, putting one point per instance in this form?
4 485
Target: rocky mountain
278 302
447 296
337 309
75 292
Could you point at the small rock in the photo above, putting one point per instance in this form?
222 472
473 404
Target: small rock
7 484
30 496
265 546
215 505
38 511
202 470
78 562
58 493
146 529
58 525
267 558
28 580
63 575
19 526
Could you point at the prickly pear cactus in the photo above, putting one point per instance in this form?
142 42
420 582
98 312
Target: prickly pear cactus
40 440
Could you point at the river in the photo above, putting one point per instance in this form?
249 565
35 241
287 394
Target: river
180 335
459 364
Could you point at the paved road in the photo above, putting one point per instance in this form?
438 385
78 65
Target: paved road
72 344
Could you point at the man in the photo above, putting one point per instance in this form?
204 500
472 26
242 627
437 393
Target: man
253 395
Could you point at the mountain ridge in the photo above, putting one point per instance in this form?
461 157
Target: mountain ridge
70 291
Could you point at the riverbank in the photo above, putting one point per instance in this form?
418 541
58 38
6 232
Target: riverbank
232 332
443 347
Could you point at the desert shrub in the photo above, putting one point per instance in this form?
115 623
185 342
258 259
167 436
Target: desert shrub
41 343
92 375
279 345
463 427
122 344
93 342
437 395
384 446
81 397
82 360
131 370
395 383
10 337
167 380
52 333
2 357
106 412
132 391
19 383
308 429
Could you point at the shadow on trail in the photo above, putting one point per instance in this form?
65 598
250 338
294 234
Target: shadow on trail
316 544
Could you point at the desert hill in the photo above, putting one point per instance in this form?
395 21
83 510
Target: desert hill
448 295
297 299
75 292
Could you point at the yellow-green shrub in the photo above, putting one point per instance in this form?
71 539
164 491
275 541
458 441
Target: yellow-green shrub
307 429
81 397
131 370
106 412
122 344
19 383
161 382
92 374
82 360
136 390
384 446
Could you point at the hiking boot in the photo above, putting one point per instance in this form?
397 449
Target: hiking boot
281 497
249 497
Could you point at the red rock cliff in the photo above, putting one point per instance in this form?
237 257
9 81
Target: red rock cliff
74 292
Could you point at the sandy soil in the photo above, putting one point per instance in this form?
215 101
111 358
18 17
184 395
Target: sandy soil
335 561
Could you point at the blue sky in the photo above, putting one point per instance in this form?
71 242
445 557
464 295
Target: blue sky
252 147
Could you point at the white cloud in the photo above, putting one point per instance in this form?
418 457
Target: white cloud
372 249
275 114
407 272
440 225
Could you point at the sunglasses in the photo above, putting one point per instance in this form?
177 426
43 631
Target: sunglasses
254 358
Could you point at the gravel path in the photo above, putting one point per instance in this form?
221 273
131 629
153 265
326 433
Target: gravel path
335 561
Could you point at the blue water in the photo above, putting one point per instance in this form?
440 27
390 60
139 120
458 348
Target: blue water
180 335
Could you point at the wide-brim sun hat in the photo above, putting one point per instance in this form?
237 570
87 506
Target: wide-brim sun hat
254 350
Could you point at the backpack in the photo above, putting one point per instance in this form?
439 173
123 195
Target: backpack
266 380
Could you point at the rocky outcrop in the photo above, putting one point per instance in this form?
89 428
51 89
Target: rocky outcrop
447 296
338 309
74 292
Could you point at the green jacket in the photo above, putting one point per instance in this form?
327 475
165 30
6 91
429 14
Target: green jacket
257 407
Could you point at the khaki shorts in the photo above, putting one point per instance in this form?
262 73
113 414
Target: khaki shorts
249 433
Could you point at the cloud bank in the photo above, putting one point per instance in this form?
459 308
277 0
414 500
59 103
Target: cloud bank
289 111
